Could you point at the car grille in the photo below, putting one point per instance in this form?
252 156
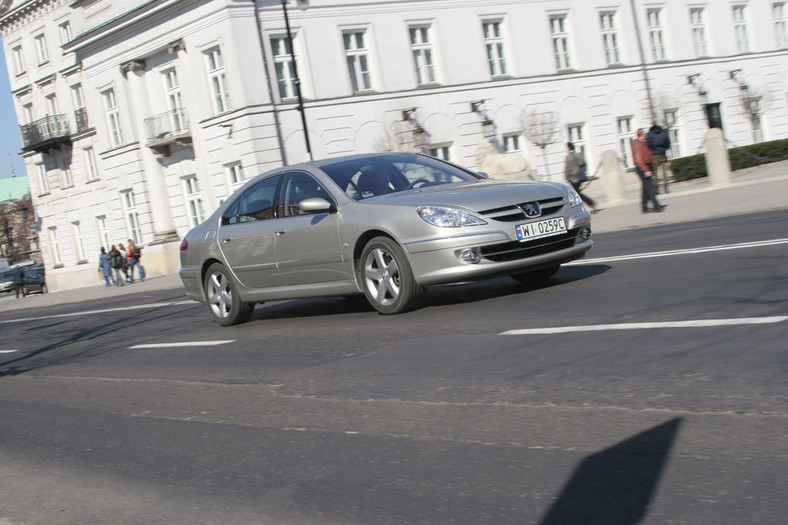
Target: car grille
510 251
515 213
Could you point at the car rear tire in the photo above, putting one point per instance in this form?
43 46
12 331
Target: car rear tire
223 299
386 277
537 275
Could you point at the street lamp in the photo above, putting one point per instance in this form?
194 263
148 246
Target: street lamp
301 5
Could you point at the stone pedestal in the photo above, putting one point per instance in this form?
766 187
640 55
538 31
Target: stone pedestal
718 163
612 176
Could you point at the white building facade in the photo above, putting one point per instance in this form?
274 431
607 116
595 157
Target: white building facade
138 121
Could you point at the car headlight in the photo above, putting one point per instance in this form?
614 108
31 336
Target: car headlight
448 217
574 198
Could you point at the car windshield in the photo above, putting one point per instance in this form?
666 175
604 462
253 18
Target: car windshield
366 177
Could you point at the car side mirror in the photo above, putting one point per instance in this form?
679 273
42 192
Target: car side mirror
315 204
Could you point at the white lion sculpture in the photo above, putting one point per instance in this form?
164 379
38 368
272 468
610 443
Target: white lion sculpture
499 165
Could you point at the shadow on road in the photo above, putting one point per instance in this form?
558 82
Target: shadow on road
616 486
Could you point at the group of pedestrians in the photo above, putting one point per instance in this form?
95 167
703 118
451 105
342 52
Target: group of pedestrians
120 260
649 154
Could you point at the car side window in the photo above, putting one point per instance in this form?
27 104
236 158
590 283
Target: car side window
231 214
257 203
297 187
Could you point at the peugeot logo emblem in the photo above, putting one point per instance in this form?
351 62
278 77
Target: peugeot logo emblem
531 209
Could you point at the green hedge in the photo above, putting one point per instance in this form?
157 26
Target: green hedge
694 166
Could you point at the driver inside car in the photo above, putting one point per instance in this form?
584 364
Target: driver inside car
375 180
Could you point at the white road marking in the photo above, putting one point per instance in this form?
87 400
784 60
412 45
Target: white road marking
688 251
94 312
699 323
175 345
8 351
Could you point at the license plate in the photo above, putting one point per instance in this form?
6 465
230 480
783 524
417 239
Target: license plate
536 230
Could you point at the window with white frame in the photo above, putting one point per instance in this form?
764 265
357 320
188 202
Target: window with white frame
740 29
41 49
103 231
440 151
132 216
512 142
174 100
559 34
283 64
54 246
235 173
19 60
576 134
52 107
698 25
607 22
79 242
656 33
218 80
624 128
77 96
672 125
755 110
65 169
194 206
27 110
65 32
780 33
357 56
494 43
113 117
421 49
43 178
91 168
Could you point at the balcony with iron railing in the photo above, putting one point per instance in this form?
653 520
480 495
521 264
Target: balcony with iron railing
45 134
167 129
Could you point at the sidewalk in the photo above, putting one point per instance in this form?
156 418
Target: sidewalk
762 188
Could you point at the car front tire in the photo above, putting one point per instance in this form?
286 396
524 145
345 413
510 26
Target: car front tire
386 277
223 299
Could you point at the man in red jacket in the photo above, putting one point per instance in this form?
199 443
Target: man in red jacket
641 155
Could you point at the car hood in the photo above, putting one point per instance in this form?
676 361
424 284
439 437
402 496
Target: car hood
476 196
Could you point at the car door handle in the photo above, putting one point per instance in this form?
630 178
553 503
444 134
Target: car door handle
225 241
280 232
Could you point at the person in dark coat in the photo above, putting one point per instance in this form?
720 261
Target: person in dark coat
574 165
116 262
643 159
19 281
658 141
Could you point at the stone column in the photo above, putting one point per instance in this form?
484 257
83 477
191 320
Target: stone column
612 176
153 174
718 163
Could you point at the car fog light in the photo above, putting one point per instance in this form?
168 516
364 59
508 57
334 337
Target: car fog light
471 256
586 232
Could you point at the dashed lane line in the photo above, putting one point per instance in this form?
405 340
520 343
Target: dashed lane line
699 323
8 351
182 344
94 312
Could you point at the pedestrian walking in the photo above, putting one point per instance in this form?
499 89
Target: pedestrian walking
658 141
575 173
125 266
19 282
134 256
642 157
116 262
105 268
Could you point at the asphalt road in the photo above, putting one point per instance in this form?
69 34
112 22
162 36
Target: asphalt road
644 384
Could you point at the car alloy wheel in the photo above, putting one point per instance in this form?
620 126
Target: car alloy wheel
223 299
386 277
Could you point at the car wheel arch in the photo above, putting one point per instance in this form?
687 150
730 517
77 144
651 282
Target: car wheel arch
362 241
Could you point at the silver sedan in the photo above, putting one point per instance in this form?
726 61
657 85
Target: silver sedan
382 225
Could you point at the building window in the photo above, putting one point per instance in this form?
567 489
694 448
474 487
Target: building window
656 33
285 70
624 127
103 231
79 242
28 112
65 32
19 60
576 135
132 217
113 117
90 164
356 53
740 28
755 110
174 100
41 49
512 142
65 170
235 173
698 24
672 125
493 41
442 152
421 48
52 108
218 80
607 21
193 200
780 33
560 37
77 96
54 244
43 178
